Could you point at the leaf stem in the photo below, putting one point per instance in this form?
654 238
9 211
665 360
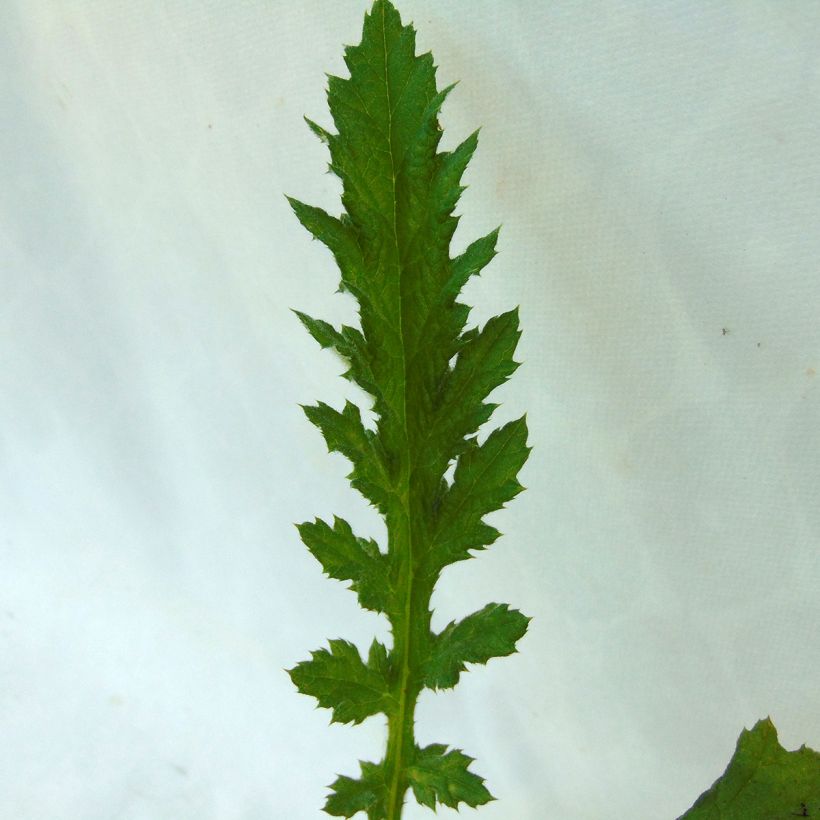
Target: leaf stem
411 625
401 741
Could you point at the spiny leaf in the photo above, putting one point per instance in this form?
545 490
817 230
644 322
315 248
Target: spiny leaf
484 480
429 379
367 793
484 362
478 255
491 632
452 165
340 681
345 434
346 557
336 234
763 781
441 776
349 343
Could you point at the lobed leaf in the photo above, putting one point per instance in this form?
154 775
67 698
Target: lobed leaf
451 168
484 480
429 379
341 681
475 258
350 344
344 433
367 793
336 234
346 557
492 632
439 776
484 362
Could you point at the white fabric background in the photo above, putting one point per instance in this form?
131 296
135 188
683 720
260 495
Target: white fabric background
656 169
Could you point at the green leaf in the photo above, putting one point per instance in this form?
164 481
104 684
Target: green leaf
478 255
491 632
484 480
336 234
430 379
350 344
763 781
341 681
441 776
367 793
484 362
346 557
344 433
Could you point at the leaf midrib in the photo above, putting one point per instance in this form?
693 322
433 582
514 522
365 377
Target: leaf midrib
394 796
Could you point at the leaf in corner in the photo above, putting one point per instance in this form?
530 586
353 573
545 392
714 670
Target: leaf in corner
763 781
